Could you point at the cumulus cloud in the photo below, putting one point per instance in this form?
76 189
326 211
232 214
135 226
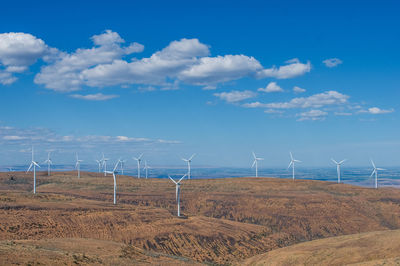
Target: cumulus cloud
271 87
65 73
332 62
94 97
313 101
110 62
235 96
294 68
17 52
298 89
376 111
154 70
212 70
312 115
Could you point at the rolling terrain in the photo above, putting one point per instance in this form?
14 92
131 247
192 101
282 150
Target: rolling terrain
226 220
372 248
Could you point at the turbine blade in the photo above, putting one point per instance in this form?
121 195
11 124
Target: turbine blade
254 163
191 157
373 172
181 178
373 163
29 168
172 179
254 155
290 164
335 162
342 161
380 169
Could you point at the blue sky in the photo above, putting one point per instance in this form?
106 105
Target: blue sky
218 79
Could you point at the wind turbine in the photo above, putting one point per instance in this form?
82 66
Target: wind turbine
122 165
78 166
146 167
104 160
292 161
33 164
99 162
338 164
189 161
49 163
255 163
138 159
178 192
375 171
114 172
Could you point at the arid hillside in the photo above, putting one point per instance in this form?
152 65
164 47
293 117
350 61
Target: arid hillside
226 220
373 248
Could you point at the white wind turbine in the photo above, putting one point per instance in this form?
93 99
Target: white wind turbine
49 163
114 172
78 165
338 164
189 161
255 163
33 164
104 160
138 159
178 192
292 161
99 162
146 168
375 171
122 163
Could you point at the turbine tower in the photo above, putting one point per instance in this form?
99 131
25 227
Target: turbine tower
255 163
375 171
189 161
292 161
138 159
146 168
78 165
114 172
33 164
178 192
49 163
338 164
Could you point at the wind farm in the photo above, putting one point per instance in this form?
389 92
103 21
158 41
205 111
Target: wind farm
199 133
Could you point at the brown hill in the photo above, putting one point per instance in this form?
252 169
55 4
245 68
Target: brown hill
228 220
373 248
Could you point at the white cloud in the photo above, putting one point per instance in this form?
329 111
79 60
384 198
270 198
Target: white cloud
312 115
313 101
167 63
343 113
376 111
65 73
294 68
332 62
13 138
235 96
298 89
212 70
271 87
94 97
17 52
209 87
273 111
